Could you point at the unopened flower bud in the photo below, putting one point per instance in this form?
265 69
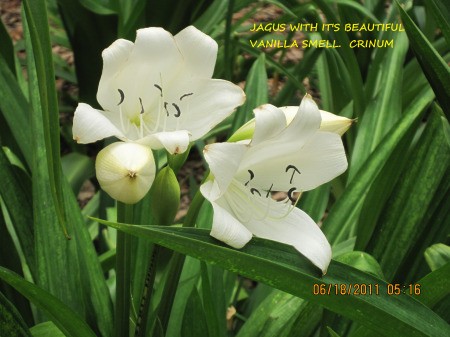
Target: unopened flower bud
125 171
166 195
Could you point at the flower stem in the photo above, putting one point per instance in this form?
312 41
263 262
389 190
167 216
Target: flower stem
123 272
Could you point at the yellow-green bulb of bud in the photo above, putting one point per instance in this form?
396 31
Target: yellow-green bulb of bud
165 194
125 171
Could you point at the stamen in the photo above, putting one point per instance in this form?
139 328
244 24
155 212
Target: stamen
160 105
253 190
165 108
122 96
252 175
157 86
269 191
142 107
186 95
178 110
294 169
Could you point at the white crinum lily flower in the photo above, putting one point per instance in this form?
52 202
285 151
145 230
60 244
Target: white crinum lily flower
290 157
158 91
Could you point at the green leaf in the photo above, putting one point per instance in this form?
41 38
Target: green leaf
89 34
341 221
7 50
188 281
348 56
435 68
65 318
275 316
362 261
103 7
435 286
276 65
45 120
277 265
382 186
77 168
46 329
437 256
391 244
256 92
14 191
332 333
85 291
213 320
441 15
15 110
384 107
11 323
194 320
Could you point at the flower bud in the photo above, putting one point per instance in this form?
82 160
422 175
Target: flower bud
166 195
246 131
334 123
125 171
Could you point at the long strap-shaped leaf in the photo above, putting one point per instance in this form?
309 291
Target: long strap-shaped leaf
433 65
64 318
284 268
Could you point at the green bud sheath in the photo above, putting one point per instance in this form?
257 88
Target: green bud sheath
166 197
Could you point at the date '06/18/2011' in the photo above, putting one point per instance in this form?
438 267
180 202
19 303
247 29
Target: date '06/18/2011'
365 289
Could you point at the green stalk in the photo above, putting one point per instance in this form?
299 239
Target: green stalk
123 272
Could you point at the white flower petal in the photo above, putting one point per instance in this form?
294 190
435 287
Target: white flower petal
90 125
199 51
154 44
306 122
289 112
174 142
223 160
227 228
114 59
318 161
210 103
296 229
330 122
269 123
154 61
